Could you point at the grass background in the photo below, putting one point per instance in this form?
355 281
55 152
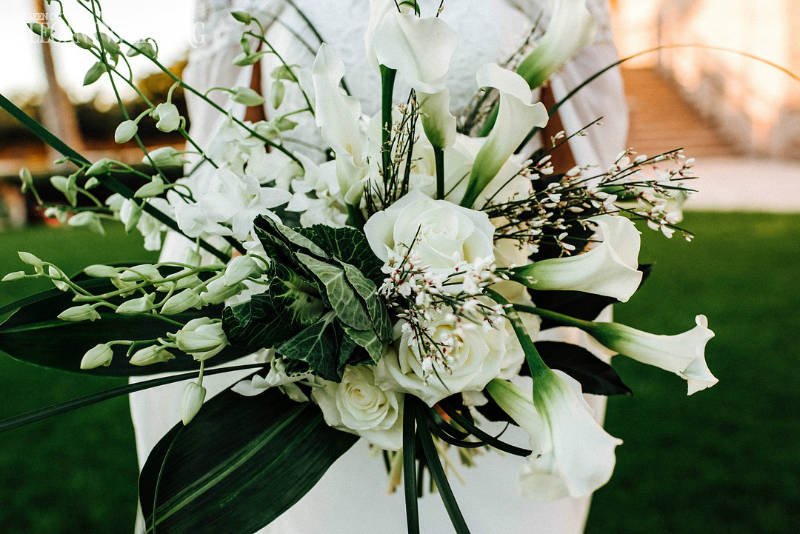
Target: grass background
724 460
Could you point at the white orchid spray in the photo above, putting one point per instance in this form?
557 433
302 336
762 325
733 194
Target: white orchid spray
388 284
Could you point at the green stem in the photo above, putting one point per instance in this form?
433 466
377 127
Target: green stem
555 316
438 155
387 90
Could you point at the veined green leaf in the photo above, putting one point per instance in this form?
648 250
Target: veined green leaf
366 339
238 465
317 345
348 245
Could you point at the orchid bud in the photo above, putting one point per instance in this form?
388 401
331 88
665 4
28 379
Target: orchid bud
83 41
239 269
30 259
276 93
99 167
56 278
246 96
241 16
202 338
150 355
193 396
143 47
67 186
125 131
40 30
180 302
136 306
100 354
89 219
152 189
94 73
218 292
168 116
144 271
26 178
16 275
100 271
84 312
91 183
165 157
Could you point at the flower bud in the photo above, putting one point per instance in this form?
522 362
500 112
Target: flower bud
30 259
150 355
83 41
40 29
239 269
241 16
84 312
56 278
125 131
100 271
193 396
165 157
67 186
91 183
276 93
151 189
202 338
99 167
98 355
246 96
89 219
180 302
129 213
217 292
94 73
143 47
168 117
144 271
136 306
26 178
16 275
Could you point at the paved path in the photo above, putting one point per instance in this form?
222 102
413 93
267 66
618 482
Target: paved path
745 184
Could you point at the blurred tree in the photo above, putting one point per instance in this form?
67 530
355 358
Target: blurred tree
57 114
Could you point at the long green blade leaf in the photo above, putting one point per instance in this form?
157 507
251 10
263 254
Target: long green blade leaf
64 407
409 461
238 465
439 476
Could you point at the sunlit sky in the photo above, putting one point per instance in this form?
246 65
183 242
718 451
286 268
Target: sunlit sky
21 71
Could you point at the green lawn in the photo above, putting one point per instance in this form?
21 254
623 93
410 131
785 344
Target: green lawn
724 460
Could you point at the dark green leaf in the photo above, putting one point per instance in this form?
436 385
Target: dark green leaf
347 245
341 295
318 345
263 321
376 309
596 376
238 465
366 339
409 459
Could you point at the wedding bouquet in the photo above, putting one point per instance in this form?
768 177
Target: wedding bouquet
392 289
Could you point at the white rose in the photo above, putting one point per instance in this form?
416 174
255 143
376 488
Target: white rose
446 234
475 356
357 405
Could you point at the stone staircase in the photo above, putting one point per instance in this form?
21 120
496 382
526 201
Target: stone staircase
661 120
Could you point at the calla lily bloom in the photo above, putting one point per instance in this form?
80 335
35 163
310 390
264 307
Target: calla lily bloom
420 49
609 268
516 117
338 117
571 28
437 121
682 354
572 454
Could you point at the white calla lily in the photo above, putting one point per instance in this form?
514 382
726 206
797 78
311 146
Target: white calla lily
420 49
516 117
437 121
572 454
338 117
682 354
571 28
609 268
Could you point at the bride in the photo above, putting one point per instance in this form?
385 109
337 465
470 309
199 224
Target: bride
489 31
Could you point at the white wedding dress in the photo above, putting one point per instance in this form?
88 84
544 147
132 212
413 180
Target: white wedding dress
352 497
